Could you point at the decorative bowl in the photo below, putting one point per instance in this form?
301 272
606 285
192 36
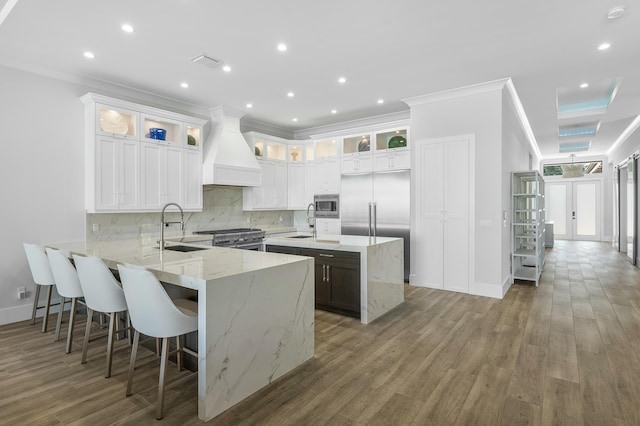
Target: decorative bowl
364 145
157 133
397 142
191 140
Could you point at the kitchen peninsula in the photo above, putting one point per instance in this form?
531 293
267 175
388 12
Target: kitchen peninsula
255 312
379 276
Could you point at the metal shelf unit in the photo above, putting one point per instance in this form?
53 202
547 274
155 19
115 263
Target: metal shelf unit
528 211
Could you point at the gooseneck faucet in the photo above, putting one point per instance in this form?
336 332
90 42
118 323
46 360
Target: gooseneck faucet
164 223
311 220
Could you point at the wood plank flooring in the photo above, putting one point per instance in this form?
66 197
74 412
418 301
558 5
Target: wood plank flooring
565 353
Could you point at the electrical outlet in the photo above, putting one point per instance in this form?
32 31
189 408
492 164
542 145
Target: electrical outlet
22 292
96 227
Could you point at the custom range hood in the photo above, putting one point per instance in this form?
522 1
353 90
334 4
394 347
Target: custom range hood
227 158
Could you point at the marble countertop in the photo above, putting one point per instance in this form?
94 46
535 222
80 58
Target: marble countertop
189 269
329 242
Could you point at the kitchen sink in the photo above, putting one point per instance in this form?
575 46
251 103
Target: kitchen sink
302 236
185 248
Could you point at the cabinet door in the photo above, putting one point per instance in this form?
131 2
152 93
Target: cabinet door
344 281
267 198
192 194
173 175
152 175
283 249
309 183
280 185
296 186
117 174
333 176
401 160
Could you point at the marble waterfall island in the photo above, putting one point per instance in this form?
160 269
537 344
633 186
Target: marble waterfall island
381 267
255 312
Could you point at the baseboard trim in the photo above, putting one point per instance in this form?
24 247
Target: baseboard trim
15 314
487 290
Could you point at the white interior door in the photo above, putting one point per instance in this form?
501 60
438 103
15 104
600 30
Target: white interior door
574 208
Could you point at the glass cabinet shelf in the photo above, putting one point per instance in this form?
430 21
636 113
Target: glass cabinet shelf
327 148
117 122
391 140
161 130
193 137
356 144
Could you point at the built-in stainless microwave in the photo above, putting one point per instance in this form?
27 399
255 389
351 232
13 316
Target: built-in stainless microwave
327 206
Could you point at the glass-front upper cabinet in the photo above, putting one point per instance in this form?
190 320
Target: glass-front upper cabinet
161 130
117 122
326 148
194 136
356 144
394 139
296 153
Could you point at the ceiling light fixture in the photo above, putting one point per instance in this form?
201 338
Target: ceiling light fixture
294 119
333 111
290 94
282 47
226 68
184 85
604 46
342 80
127 28
89 55
615 12
380 101
584 85
249 105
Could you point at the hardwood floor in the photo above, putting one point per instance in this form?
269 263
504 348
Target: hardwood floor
565 353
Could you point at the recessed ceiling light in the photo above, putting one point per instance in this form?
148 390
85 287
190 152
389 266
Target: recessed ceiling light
584 85
226 68
342 80
380 101
282 47
184 85
615 12
127 28
290 94
333 111
294 119
89 55
249 105
604 46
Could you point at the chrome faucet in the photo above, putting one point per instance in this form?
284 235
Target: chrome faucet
164 223
311 220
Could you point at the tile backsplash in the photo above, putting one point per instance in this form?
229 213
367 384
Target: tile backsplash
222 208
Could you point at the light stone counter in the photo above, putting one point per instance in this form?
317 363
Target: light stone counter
381 267
255 312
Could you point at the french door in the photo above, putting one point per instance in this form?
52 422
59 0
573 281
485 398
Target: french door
574 208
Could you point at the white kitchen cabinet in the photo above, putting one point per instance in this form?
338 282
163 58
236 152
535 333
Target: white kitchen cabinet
328 226
272 192
309 179
357 163
192 192
161 175
327 176
115 183
127 170
396 159
296 196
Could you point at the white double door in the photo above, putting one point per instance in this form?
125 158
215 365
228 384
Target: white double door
440 239
574 208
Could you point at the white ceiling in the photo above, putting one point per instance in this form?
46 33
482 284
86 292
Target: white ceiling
386 49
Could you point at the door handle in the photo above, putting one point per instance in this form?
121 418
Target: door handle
328 273
573 215
324 273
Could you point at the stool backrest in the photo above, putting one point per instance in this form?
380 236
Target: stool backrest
65 275
39 264
152 311
102 292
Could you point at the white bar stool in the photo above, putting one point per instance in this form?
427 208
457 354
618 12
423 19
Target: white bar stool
154 314
68 286
102 293
42 276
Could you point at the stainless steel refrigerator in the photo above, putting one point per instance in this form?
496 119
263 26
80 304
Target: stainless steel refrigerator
377 204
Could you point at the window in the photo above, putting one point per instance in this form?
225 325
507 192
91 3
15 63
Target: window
569 170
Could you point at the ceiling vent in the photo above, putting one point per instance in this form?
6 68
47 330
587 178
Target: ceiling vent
207 61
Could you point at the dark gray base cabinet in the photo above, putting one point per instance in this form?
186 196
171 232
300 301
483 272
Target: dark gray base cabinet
337 278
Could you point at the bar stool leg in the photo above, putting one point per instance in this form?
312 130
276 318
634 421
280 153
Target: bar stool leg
59 323
163 369
132 363
45 319
87 332
112 323
35 304
74 306
179 353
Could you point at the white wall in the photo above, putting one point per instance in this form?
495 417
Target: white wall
515 157
478 114
42 175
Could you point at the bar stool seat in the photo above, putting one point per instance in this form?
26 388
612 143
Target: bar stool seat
154 314
68 286
102 293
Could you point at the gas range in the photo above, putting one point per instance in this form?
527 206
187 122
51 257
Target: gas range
242 238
